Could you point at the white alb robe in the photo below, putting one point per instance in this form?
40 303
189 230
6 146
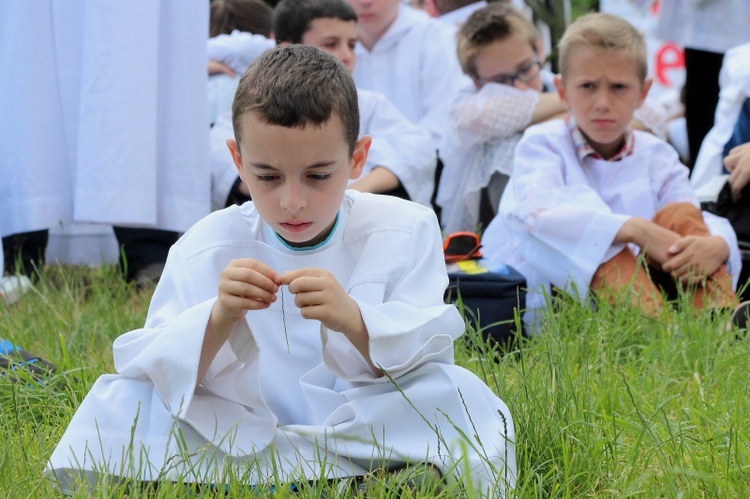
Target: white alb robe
313 408
414 64
558 218
397 144
485 126
103 114
734 81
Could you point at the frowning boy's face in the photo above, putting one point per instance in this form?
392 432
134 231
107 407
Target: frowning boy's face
601 89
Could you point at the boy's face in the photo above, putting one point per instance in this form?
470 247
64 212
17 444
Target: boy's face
297 176
602 89
335 36
511 58
375 16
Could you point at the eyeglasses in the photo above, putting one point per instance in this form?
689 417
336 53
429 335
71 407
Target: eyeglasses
460 246
525 74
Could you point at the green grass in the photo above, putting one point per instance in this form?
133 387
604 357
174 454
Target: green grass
606 402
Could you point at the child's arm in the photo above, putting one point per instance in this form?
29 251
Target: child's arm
320 297
497 110
245 284
654 240
404 149
379 179
237 50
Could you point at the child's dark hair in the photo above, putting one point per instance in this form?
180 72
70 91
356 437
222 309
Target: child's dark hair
253 16
292 18
296 86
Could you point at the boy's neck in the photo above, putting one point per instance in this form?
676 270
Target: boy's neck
586 147
369 39
607 151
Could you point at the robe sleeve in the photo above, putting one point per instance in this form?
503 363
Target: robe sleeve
223 171
720 226
669 177
407 320
167 350
567 230
494 111
238 49
403 148
441 80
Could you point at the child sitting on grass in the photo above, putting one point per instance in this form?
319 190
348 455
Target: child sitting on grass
588 194
302 335
499 49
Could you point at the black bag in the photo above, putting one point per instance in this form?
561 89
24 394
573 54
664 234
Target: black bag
490 300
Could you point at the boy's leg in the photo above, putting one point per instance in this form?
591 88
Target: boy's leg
623 270
687 220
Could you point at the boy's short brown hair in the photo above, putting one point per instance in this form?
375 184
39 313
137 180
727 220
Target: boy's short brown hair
292 18
295 86
495 22
602 30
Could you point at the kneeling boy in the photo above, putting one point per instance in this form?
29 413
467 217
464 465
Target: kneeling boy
302 335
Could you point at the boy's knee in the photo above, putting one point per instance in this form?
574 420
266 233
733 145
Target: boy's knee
683 218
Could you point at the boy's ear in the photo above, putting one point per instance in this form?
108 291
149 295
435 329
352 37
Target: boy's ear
234 150
359 157
560 86
644 90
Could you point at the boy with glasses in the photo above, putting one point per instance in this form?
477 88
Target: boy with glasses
499 49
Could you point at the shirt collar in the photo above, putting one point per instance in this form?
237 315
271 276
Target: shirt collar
584 150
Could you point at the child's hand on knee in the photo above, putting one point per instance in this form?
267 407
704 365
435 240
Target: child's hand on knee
320 296
245 284
693 258
654 240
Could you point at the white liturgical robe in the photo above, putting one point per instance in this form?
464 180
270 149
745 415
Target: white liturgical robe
310 407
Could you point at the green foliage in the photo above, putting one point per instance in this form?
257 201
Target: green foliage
606 402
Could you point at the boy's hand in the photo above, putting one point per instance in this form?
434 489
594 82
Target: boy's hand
320 296
245 284
737 163
654 240
693 258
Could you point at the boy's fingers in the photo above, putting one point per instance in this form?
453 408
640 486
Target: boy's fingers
258 267
236 302
307 299
250 290
291 275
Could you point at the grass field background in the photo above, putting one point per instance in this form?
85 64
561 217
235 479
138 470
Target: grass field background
606 402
